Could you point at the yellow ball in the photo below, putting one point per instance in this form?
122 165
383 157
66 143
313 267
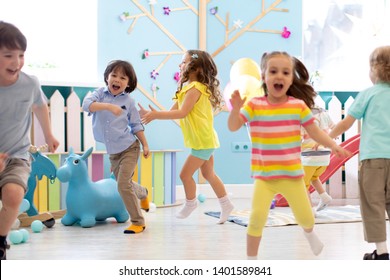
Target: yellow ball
249 87
244 66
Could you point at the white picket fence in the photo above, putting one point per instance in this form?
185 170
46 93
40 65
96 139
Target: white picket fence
337 187
68 120
66 124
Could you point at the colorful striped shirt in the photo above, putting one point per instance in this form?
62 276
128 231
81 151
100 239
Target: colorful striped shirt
275 131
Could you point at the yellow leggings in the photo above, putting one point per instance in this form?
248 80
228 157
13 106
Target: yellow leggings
293 190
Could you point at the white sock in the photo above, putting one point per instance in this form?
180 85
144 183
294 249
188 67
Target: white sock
381 248
315 243
226 208
189 206
251 257
325 197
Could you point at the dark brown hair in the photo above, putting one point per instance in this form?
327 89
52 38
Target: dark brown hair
11 37
127 68
300 87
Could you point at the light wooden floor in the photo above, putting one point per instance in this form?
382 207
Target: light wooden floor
195 238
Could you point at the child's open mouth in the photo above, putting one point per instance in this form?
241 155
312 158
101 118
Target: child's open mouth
12 72
278 86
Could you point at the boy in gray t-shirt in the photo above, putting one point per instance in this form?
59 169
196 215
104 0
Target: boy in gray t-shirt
20 94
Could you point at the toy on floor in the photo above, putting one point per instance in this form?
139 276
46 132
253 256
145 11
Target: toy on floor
201 197
19 236
41 166
88 201
16 237
37 226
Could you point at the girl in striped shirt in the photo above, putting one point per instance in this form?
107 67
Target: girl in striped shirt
275 122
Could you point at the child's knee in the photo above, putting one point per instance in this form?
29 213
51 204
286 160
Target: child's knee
12 197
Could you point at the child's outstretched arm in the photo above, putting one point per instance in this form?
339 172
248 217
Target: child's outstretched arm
324 139
42 113
100 106
192 96
342 126
235 121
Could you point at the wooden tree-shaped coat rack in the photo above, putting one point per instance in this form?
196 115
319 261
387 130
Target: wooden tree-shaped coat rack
232 31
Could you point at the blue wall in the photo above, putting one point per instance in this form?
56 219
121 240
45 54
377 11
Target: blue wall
181 26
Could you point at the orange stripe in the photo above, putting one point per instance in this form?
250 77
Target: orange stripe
276 134
268 163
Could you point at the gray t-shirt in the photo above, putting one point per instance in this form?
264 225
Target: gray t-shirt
15 114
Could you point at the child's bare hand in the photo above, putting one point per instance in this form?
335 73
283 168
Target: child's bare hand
145 151
115 109
236 101
148 116
341 152
52 144
316 146
142 111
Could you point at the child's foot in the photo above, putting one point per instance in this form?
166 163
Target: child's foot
133 229
226 208
375 256
316 245
3 248
189 206
325 200
145 204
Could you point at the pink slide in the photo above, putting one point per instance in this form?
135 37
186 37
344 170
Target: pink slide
351 144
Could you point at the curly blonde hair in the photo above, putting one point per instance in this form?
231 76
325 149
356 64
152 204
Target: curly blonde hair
203 64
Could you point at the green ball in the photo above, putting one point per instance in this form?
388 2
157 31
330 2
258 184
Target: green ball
16 236
36 226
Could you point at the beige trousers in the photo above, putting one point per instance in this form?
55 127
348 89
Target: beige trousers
374 187
123 165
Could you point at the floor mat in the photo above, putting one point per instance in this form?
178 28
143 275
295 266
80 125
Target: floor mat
282 216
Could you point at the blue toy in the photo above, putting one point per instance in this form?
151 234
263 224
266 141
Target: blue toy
16 236
88 201
25 234
24 206
41 165
201 198
36 226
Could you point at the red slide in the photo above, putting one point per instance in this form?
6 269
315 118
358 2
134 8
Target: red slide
351 144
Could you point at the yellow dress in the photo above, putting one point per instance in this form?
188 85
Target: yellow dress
198 125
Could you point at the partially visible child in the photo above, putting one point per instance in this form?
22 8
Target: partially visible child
19 93
372 107
315 160
275 122
117 124
197 97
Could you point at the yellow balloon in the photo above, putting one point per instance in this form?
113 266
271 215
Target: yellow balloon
249 87
245 66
